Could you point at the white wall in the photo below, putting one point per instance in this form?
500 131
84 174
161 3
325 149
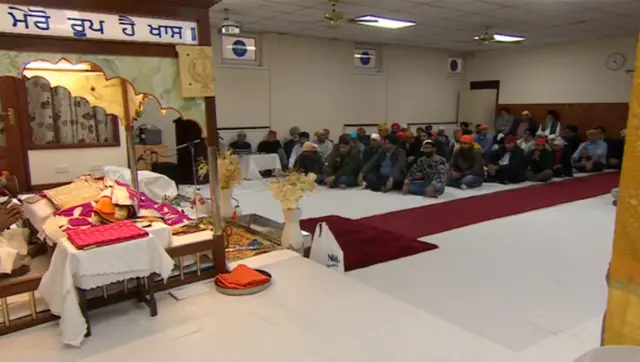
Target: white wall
57 166
565 73
312 83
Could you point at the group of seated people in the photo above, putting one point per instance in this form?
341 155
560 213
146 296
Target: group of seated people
427 161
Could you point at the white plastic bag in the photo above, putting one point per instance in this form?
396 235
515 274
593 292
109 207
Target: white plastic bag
325 250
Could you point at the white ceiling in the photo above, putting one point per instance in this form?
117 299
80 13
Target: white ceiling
446 24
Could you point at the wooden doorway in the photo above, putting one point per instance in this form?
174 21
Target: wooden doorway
12 153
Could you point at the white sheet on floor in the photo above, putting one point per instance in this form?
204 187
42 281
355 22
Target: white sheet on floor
516 281
155 185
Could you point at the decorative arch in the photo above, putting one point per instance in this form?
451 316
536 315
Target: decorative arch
117 95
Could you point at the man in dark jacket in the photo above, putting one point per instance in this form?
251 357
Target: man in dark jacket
387 169
467 166
540 162
521 124
343 166
309 160
561 157
507 163
373 148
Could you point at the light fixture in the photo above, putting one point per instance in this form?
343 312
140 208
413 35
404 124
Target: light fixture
61 65
503 38
385 23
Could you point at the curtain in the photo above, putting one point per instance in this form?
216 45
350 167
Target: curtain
85 121
40 111
63 116
622 320
101 119
59 117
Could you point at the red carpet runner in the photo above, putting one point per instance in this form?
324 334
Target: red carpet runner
365 245
437 218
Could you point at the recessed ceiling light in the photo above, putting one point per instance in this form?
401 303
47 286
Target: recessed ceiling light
503 38
385 23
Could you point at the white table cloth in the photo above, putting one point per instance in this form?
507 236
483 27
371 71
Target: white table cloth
251 165
155 185
71 268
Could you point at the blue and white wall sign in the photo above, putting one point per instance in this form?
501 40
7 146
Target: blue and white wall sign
365 58
455 65
239 48
17 19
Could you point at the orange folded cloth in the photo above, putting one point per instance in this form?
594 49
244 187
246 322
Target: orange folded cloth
242 277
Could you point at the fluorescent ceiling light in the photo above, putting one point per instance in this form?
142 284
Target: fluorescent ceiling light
380 22
502 38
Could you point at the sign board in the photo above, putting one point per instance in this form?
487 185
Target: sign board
37 21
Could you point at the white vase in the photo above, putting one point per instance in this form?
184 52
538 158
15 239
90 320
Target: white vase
226 203
292 234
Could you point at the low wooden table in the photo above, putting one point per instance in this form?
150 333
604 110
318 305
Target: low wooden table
145 294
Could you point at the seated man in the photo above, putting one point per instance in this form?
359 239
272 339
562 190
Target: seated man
467 166
429 175
527 142
615 151
240 145
561 157
484 139
14 259
272 145
309 159
372 149
540 162
591 156
343 166
302 138
507 164
387 169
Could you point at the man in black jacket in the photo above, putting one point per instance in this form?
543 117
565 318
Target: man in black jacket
387 169
343 166
507 163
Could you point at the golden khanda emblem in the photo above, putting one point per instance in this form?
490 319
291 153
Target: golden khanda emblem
201 70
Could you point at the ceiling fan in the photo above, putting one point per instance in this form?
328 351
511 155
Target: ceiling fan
335 17
495 38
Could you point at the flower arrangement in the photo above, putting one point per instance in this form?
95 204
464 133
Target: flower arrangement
229 171
290 189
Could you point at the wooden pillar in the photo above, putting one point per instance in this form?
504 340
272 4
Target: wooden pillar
204 37
622 320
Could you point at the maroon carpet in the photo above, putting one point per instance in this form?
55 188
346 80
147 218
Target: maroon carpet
364 245
437 218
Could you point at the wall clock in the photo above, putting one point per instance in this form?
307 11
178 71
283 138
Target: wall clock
615 61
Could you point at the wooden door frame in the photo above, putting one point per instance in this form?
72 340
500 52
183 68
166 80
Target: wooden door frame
13 96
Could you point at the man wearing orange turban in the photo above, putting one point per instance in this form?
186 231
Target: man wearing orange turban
467 166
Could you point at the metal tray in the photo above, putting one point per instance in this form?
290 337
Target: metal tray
263 227
250 291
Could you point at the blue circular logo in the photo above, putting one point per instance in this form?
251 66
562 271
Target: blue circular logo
453 65
239 48
365 58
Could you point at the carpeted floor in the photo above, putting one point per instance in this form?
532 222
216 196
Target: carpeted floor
437 218
364 245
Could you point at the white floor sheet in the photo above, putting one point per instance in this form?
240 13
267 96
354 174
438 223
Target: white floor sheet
528 288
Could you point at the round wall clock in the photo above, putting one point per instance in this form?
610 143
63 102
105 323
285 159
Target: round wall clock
615 61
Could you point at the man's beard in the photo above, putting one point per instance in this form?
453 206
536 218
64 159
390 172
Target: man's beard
466 151
429 153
